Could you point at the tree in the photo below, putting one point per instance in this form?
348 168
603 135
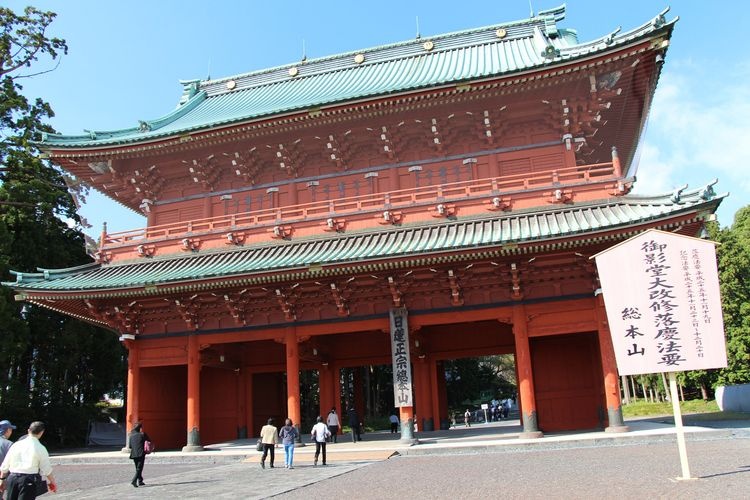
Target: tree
54 367
734 276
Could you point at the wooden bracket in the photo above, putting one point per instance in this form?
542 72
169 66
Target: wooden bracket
395 292
190 244
446 210
281 232
499 203
343 310
286 307
516 293
332 224
235 238
390 217
145 250
456 298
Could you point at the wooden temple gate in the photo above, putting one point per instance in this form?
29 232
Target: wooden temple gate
290 210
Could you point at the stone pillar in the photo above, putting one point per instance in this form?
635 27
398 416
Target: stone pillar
609 370
525 377
134 372
292 377
193 395
406 415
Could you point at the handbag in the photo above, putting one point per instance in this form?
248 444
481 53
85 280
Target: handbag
148 447
259 445
40 485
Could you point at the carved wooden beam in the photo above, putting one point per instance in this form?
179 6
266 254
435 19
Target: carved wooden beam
456 298
286 306
246 164
515 279
204 171
189 309
396 294
338 297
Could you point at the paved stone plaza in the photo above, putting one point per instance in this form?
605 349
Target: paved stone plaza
484 460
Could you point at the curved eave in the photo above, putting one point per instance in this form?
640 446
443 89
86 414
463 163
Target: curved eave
276 97
515 233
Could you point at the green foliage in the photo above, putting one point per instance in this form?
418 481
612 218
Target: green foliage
467 379
54 367
645 409
734 280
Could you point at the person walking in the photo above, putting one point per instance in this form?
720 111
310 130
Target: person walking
320 434
467 418
333 424
137 444
6 429
288 435
269 437
394 422
354 424
26 460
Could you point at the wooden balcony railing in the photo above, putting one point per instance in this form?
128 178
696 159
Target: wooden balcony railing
455 191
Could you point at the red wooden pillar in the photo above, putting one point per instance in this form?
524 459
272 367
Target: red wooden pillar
193 395
336 373
438 413
250 407
525 377
609 370
292 376
359 393
325 382
133 386
242 430
423 388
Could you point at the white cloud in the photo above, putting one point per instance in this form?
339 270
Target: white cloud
699 129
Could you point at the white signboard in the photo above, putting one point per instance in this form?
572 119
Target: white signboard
661 292
402 393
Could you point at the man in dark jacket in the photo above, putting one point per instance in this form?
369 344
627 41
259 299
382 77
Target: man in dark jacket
136 443
354 424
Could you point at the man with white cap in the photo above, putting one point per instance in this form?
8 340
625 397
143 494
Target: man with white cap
6 429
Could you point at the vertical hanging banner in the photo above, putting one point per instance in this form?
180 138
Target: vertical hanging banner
661 293
402 393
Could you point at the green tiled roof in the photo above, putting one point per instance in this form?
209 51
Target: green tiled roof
455 57
584 221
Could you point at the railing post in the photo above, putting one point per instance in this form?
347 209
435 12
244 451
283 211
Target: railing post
616 166
103 237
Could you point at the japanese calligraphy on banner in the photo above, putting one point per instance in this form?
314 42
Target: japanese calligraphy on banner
401 361
661 292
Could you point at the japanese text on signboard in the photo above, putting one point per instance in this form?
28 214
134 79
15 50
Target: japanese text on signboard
402 388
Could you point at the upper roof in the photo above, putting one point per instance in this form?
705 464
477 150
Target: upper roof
424 63
548 227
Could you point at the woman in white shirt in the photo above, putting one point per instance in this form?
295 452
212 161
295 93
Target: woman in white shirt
333 424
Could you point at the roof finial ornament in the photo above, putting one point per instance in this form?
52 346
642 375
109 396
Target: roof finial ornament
677 194
304 51
208 70
531 10
418 34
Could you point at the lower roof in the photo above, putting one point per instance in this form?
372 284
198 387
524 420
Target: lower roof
507 231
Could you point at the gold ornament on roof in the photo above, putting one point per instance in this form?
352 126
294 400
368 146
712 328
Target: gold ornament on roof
359 58
293 72
501 33
428 46
231 84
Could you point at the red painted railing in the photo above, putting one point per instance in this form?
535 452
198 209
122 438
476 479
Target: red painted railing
369 203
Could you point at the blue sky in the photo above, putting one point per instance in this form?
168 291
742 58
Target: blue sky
126 58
